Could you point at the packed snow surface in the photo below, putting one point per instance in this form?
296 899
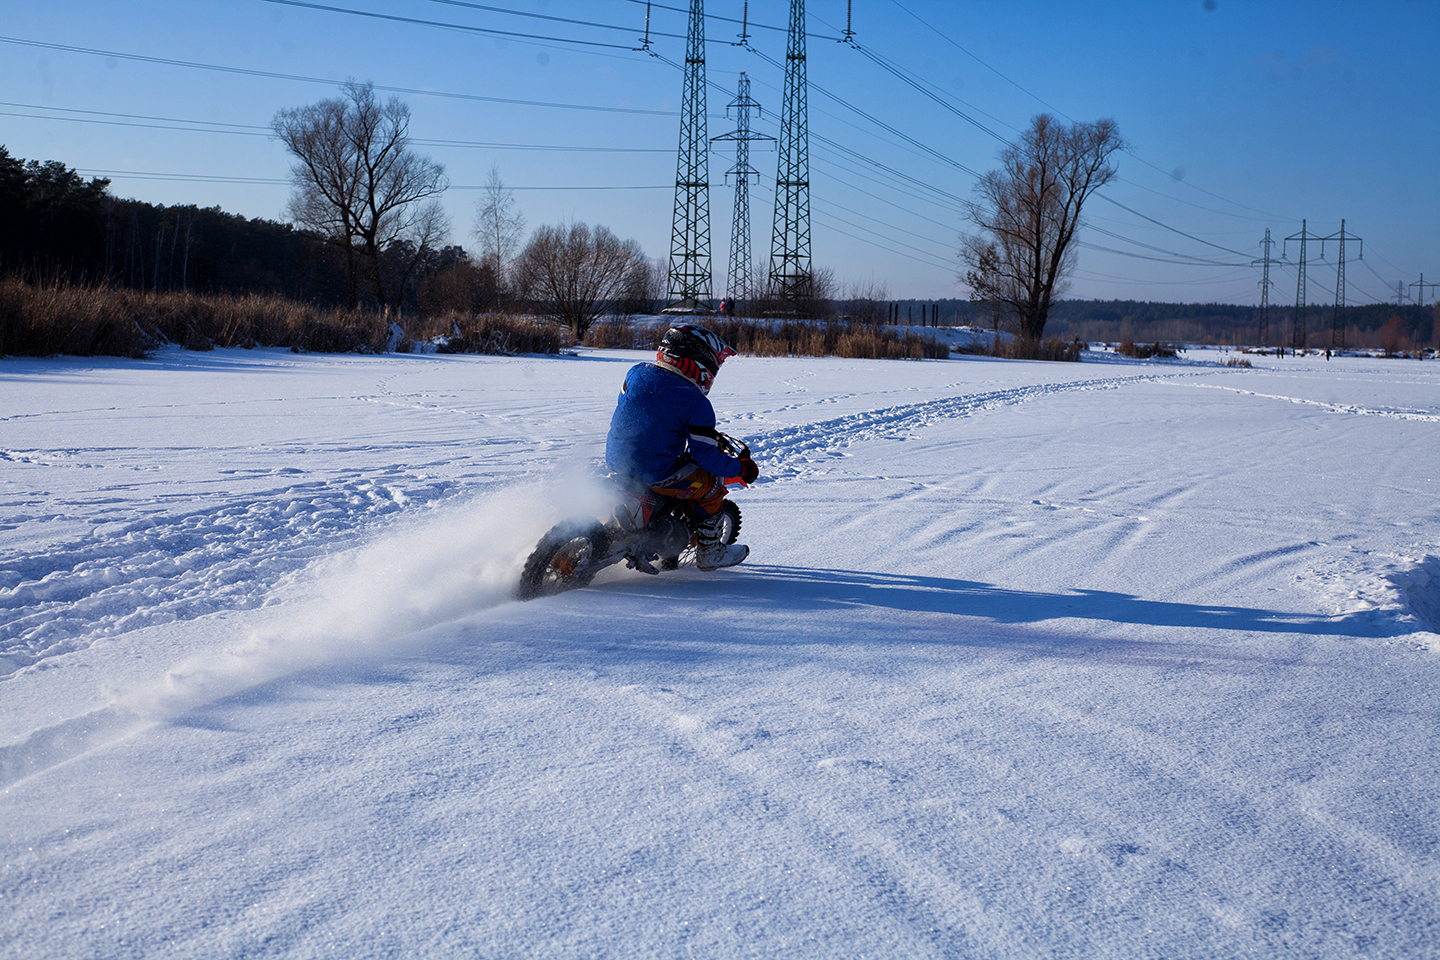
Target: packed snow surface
1108 659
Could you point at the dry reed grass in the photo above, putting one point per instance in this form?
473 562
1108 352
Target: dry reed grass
50 319
791 338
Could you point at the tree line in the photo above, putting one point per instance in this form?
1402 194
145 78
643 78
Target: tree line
367 232
60 227
1232 324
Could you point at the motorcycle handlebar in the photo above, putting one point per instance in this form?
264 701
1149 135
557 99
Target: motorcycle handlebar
734 446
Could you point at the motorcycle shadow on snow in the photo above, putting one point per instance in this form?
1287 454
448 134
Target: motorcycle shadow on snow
1054 624
825 588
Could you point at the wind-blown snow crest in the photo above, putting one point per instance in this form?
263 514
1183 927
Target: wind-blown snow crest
1419 586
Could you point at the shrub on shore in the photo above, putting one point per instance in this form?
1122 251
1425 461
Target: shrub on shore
1050 348
1129 348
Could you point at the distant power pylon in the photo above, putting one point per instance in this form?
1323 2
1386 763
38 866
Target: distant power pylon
1421 285
1297 323
689 290
1337 325
791 280
1264 331
740 281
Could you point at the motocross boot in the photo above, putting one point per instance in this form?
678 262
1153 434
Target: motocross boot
712 552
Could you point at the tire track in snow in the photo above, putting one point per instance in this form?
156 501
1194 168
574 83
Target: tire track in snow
1349 408
787 450
151 572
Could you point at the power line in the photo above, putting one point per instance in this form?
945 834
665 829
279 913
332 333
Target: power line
208 178
1168 227
254 130
748 24
1180 257
891 203
396 18
944 159
330 82
871 241
885 224
129 116
890 171
1140 256
547 17
904 77
181 177
1229 278
898 176
982 63
131 123
931 151
1062 113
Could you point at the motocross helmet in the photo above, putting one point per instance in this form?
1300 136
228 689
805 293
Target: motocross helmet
694 353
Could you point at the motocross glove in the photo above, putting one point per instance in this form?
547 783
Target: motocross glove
748 470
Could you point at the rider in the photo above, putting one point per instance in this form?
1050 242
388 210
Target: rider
663 434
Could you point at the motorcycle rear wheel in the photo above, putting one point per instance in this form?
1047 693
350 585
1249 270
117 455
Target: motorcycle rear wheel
566 558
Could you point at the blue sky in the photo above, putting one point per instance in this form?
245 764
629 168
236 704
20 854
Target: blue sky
1241 116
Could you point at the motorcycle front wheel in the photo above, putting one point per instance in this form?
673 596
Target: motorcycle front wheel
729 533
567 558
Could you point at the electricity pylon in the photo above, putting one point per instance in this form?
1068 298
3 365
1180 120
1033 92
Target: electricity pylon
1265 245
1337 325
1297 323
791 280
689 289
740 282
1422 285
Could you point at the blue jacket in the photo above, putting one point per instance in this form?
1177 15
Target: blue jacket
661 416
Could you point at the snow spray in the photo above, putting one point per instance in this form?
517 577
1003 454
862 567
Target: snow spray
456 561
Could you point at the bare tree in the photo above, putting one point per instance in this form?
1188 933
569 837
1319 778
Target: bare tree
357 183
810 295
574 274
498 224
424 238
1029 212
644 288
867 301
987 287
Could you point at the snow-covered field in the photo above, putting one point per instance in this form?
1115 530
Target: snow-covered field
1110 659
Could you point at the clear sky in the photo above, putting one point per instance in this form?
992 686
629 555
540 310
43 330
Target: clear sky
1242 115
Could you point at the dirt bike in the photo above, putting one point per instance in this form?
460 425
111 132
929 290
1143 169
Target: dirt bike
650 533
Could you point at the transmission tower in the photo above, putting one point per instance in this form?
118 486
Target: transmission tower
740 282
689 290
790 274
1297 323
1422 285
1337 326
1264 330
